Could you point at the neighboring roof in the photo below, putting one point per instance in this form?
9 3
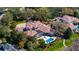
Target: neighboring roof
67 18
7 47
1 13
70 25
68 21
1 16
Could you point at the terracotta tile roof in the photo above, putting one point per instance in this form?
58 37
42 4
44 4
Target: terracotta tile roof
35 24
39 26
70 26
67 18
30 33
20 27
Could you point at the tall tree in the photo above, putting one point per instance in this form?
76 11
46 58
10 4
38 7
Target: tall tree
9 18
55 12
38 13
67 33
4 31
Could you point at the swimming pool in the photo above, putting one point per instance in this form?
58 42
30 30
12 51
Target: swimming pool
49 39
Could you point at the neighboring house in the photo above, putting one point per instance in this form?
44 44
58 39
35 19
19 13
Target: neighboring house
48 39
67 19
7 47
70 25
1 15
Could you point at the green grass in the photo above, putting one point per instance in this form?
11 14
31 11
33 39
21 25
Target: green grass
55 45
58 44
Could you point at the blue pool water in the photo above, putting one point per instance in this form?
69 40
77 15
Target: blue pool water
50 40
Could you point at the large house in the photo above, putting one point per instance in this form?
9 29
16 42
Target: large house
33 28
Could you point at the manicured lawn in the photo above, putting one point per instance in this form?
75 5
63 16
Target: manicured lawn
58 44
55 45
